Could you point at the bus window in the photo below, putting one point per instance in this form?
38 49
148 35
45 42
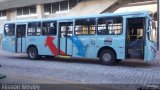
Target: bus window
152 31
85 26
9 29
110 26
66 29
49 28
34 29
21 31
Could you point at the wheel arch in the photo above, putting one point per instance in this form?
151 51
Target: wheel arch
106 47
32 45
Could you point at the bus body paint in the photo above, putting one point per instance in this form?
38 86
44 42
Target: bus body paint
80 47
52 46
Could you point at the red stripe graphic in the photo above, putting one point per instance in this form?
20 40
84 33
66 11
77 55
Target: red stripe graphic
52 46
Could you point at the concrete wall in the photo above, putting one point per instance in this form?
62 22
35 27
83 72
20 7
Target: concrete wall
89 7
7 4
40 11
11 14
151 7
1 23
86 7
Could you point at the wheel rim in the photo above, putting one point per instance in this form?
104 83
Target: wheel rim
106 57
32 54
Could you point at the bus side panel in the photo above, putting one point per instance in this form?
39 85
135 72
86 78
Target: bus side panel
23 45
85 47
150 53
92 44
116 42
8 44
40 43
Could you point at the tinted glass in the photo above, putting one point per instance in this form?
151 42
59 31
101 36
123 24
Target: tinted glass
47 8
21 31
34 29
9 29
110 26
55 7
64 5
85 26
49 28
66 29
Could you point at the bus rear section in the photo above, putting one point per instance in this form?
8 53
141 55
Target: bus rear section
13 37
8 37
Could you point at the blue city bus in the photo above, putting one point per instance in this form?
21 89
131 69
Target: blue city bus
109 37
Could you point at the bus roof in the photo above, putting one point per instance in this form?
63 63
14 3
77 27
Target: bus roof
144 13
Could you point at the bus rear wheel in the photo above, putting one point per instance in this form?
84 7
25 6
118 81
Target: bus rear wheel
32 53
107 57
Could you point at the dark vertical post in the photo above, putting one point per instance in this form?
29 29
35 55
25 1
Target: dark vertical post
158 32
59 36
65 36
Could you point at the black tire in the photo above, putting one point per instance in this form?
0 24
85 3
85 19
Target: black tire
108 57
118 60
32 53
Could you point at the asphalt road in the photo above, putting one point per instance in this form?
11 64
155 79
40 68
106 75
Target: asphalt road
20 70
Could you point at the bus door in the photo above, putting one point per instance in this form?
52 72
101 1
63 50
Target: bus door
135 38
151 39
65 35
20 38
141 39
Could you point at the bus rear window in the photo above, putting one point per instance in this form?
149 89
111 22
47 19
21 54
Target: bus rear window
34 28
85 27
9 29
49 28
110 26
